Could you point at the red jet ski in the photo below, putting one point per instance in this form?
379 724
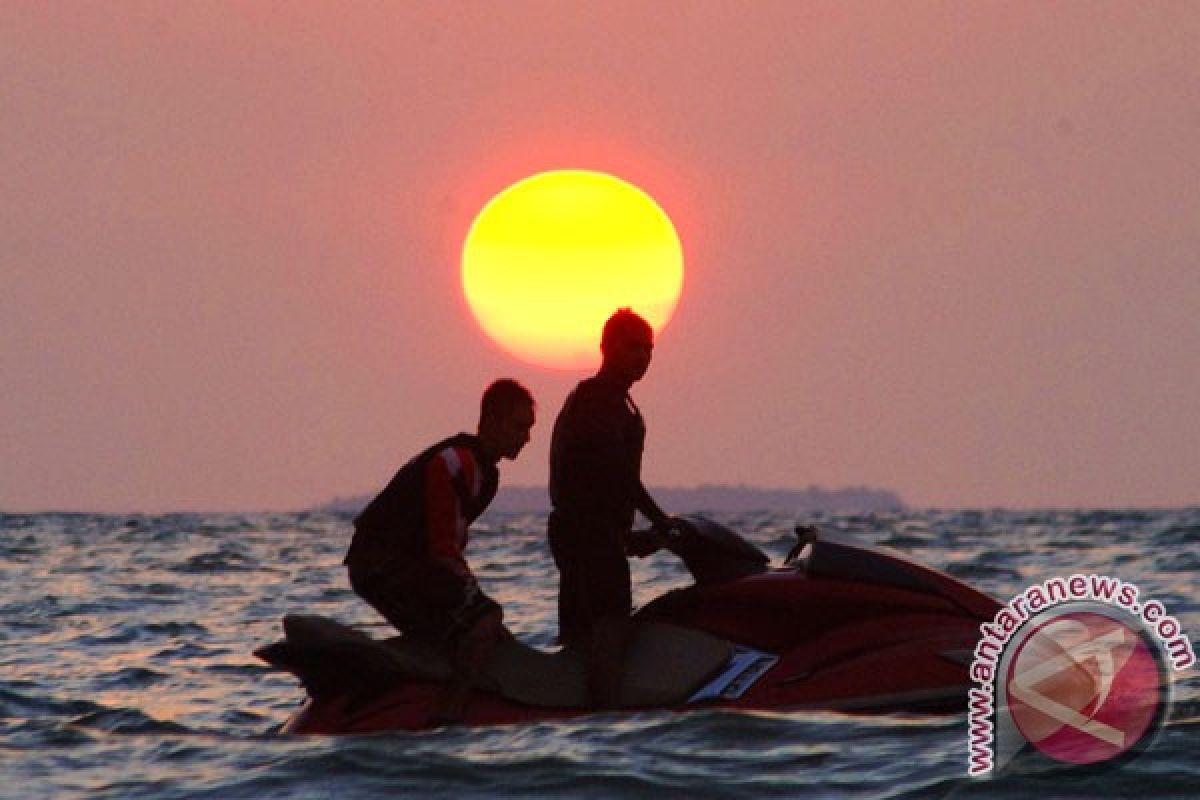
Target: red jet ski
840 626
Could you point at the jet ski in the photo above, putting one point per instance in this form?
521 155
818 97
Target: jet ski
840 625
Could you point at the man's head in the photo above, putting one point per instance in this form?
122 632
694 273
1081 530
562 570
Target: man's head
627 345
505 417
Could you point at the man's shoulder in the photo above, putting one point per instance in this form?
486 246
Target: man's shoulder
462 447
597 390
462 441
450 452
593 406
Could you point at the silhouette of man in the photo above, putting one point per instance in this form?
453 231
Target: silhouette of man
406 558
595 488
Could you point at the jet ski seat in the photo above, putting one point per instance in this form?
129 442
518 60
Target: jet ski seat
665 664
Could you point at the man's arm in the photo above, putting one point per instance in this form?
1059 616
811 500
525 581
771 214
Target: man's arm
650 510
446 475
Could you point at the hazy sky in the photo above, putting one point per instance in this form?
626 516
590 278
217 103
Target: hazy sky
950 249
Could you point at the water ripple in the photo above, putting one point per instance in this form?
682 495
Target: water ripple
125 720
125 670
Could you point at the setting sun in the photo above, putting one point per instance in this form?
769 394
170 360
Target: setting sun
548 259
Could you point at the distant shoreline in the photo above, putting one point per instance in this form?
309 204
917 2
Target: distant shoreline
706 497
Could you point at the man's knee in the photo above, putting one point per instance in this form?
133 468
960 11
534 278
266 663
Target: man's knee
491 624
484 633
609 634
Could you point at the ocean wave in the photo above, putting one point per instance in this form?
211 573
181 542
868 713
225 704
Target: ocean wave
1177 535
1188 561
126 720
217 561
127 632
979 572
27 700
129 678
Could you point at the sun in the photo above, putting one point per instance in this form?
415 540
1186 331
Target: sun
551 257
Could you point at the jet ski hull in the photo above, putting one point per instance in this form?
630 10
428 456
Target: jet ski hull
848 628
904 677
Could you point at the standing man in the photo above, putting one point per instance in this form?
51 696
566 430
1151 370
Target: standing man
406 558
595 488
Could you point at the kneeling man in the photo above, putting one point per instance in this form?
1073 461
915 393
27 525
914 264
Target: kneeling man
407 556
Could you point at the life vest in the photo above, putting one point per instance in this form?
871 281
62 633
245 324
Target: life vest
396 522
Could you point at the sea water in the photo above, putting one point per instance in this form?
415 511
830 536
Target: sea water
126 668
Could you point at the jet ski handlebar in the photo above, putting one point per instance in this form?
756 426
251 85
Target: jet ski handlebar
642 542
805 535
709 550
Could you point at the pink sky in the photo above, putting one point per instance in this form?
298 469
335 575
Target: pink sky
948 249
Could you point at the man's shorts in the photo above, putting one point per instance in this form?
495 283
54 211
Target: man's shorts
422 598
593 574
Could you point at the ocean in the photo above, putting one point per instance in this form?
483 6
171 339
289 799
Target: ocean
126 669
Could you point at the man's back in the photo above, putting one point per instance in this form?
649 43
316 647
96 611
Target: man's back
596 452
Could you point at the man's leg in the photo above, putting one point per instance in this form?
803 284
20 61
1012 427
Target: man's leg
384 588
606 660
571 608
470 656
595 601
608 599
